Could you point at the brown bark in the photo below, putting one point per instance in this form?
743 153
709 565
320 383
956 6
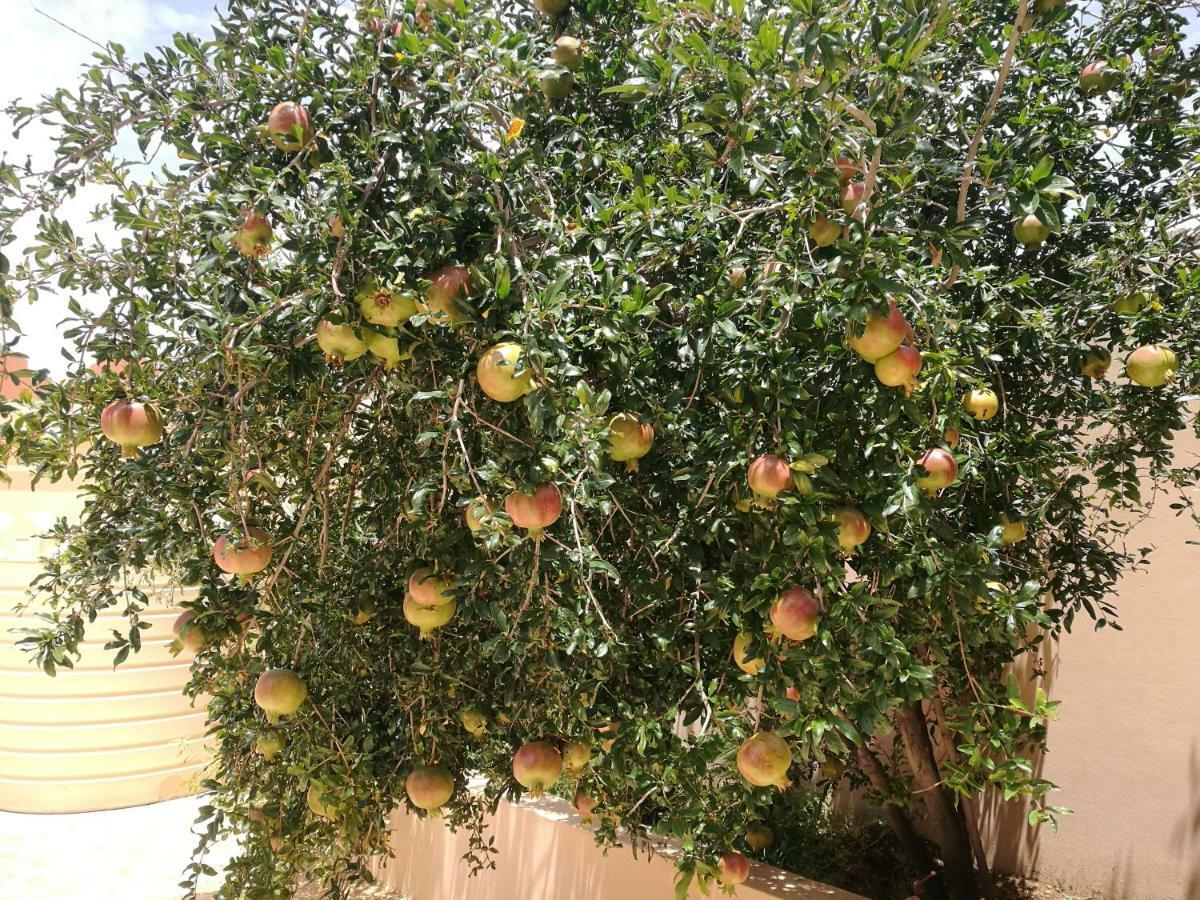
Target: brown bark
949 832
903 829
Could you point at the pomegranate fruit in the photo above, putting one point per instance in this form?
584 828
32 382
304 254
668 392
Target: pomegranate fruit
473 721
289 126
428 589
568 52
941 470
340 343
556 83
576 755
792 693
880 336
475 513
899 368
759 837
1131 304
429 787
1012 532
1152 365
363 613
629 440
446 300
190 635
741 659
1030 231
503 374
823 232
846 169
427 619
253 237
831 770
319 802
250 554
536 766
737 277
982 404
337 228
852 198
383 307
764 760
584 805
1095 363
853 528
534 512
131 425
386 349
1097 76
551 7
279 692
733 868
769 475
269 743
794 614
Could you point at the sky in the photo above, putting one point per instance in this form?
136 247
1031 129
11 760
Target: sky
41 55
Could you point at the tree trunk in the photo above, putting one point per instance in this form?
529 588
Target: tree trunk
949 832
898 822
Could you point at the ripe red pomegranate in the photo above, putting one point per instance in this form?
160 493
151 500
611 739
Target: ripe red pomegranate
852 198
279 692
794 614
846 168
941 469
823 232
254 235
759 837
854 528
534 512
982 403
188 632
536 766
131 425
899 368
764 760
429 589
1152 365
383 307
733 868
503 373
880 336
427 619
446 300
568 52
251 553
1030 231
340 343
769 475
584 805
429 787
289 126
741 659
630 440
576 755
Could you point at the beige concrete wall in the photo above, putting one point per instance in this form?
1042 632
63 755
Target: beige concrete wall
1126 748
546 853
91 738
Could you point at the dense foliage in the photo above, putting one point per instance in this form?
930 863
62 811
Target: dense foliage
662 234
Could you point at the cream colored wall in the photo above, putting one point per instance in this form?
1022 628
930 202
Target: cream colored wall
545 853
1126 748
90 738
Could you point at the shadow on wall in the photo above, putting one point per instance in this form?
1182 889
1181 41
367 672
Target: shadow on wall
1185 836
1015 844
545 853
